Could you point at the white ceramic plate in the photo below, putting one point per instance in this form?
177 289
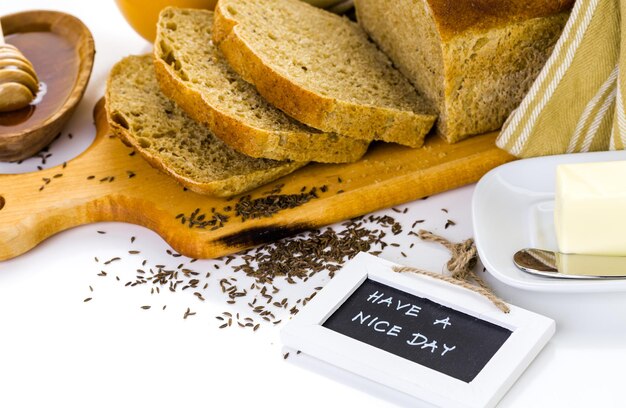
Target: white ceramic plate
512 208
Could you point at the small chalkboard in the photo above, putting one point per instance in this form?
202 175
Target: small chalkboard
436 341
418 329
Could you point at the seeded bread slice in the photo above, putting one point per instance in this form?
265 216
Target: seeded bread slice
192 72
321 69
173 142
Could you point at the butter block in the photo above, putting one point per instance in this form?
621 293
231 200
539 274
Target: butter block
591 265
590 208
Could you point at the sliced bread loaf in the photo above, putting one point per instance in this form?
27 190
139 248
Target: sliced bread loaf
473 59
192 72
321 69
171 141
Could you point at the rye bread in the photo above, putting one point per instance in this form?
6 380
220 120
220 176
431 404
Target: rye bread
473 59
192 71
321 69
171 141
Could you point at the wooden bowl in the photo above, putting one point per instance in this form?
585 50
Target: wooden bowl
61 48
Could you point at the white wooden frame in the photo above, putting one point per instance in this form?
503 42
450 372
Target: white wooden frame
530 334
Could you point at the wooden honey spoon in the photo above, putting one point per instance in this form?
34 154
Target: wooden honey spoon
18 81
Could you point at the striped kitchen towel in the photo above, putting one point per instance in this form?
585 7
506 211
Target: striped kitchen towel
577 102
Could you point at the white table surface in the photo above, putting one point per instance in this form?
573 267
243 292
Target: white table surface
57 350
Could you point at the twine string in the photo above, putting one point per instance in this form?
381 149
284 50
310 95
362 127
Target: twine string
461 266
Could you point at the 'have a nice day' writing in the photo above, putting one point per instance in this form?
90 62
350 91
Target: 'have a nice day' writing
414 338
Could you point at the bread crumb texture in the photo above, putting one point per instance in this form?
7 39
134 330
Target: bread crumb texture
170 140
321 69
192 71
472 59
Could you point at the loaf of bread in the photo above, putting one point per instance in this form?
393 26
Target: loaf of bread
173 142
192 72
321 69
473 59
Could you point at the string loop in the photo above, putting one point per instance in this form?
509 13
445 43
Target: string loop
461 267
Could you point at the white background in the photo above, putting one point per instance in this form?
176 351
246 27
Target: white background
57 350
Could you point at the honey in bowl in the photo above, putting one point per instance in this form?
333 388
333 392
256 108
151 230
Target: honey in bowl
143 15
44 49
61 49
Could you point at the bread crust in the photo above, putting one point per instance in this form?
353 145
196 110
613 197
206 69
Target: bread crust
473 59
321 112
455 17
255 142
221 188
298 143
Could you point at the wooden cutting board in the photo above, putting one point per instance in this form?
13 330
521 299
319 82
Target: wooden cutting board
108 182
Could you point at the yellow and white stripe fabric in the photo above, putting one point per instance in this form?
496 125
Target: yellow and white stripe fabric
577 102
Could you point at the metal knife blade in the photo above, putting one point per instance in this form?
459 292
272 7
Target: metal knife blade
570 266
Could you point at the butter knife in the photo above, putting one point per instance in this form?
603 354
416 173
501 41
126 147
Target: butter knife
570 266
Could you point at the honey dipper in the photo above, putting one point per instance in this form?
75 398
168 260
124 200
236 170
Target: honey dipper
18 81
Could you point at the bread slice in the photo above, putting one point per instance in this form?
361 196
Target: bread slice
191 71
473 59
171 141
321 69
